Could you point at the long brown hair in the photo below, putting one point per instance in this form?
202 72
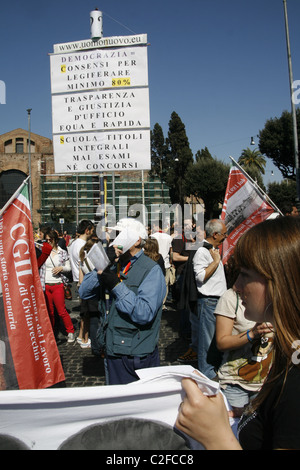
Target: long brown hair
52 234
151 249
86 248
272 249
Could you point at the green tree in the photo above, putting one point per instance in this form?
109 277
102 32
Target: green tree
203 154
256 175
252 159
207 179
159 164
179 157
158 153
282 193
64 211
276 141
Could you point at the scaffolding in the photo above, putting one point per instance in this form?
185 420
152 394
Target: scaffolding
77 196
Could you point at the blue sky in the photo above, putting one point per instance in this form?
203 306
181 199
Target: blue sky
220 64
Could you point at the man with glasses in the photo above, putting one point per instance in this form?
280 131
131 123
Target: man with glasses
211 284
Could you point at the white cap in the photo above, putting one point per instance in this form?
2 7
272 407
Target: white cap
132 225
131 230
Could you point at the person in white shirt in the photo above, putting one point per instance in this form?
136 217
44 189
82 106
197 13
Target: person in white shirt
85 230
56 265
164 248
89 313
211 284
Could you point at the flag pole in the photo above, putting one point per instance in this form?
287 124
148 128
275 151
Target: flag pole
294 115
256 186
14 196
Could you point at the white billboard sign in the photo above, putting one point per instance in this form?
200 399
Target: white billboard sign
102 151
100 109
94 69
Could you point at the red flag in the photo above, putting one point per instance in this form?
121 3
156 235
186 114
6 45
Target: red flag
29 357
244 206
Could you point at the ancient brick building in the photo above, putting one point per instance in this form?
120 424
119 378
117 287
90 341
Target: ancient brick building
14 164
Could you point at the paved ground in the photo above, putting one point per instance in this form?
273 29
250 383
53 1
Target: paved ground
83 369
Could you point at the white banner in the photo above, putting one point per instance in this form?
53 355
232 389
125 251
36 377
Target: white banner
46 419
99 68
101 110
102 151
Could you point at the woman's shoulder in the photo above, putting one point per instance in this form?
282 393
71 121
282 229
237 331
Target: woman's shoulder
229 297
227 304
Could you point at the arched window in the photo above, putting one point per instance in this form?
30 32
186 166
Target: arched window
8 146
10 180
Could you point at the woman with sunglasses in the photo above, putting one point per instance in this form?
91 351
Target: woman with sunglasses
268 256
56 265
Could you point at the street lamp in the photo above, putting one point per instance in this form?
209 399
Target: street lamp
296 152
29 157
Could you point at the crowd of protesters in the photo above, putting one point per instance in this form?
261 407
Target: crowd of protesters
242 318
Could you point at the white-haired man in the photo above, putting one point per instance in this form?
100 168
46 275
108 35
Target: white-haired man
137 287
211 284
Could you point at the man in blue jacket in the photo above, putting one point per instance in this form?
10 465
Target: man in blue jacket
137 290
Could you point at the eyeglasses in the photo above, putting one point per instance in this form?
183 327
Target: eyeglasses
49 239
223 234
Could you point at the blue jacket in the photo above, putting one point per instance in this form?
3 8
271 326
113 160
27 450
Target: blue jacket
135 312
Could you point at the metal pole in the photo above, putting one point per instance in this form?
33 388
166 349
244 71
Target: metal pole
29 158
102 203
77 196
296 151
97 33
113 190
143 198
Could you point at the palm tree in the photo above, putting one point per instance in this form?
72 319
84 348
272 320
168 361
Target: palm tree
253 159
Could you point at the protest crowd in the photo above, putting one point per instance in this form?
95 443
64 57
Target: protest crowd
240 313
121 307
